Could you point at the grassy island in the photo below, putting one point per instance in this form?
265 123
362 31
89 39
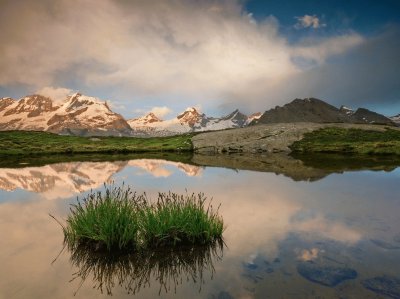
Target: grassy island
120 219
352 141
44 143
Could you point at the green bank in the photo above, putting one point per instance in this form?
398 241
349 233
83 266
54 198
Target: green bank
351 141
43 143
18 144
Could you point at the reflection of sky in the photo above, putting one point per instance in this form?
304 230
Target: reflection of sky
267 217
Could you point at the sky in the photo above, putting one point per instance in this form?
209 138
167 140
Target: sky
216 55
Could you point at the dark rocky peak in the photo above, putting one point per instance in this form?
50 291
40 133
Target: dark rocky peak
310 102
236 114
363 115
302 110
236 117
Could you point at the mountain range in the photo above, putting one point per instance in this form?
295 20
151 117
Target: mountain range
191 120
88 116
76 115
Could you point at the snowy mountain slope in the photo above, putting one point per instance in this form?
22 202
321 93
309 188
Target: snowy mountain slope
29 113
77 115
191 120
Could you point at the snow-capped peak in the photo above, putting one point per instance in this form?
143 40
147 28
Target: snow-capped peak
190 116
149 118
77 114
191 109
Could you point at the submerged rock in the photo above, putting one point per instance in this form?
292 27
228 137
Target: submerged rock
384 244
221 295
325 275
250 266
383 285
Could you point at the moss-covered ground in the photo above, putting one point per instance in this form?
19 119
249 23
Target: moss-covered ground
354 141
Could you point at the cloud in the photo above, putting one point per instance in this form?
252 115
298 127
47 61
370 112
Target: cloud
190 48
57 94
308 21
115 105
209 52
319 50
160 112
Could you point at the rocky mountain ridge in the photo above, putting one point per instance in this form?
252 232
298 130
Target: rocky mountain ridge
317 111
190 120
88 116
77 115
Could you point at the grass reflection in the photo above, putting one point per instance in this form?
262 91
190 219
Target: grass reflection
167 268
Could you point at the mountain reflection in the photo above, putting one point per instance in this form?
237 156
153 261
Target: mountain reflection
167 268
62 180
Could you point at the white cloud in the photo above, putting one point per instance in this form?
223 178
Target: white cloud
115 105
320 50
308 21
209 52
161 112
57 94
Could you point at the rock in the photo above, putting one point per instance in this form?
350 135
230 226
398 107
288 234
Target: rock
325 275
262 138
250 266
221 295
224 295
384 285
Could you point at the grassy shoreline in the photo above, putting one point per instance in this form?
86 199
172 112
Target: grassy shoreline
325 140
24 143
349 141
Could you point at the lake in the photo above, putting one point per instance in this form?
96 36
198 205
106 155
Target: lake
314 227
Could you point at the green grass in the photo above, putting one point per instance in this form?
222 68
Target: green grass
44 143
354 141
120 219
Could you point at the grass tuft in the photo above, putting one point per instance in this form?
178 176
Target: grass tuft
120 219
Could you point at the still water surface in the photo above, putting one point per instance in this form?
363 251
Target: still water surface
336 236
